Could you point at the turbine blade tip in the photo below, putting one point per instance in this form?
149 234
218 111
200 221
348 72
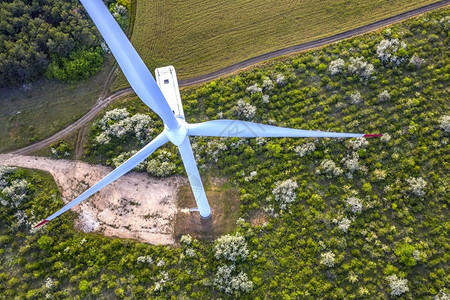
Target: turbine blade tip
372 135
40 224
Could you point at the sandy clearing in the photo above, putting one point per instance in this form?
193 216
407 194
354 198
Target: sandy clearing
135 206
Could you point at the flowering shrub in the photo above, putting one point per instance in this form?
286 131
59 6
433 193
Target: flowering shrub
5 171
225 281
117 161
386 137
284 192
416 61
254 89
244 109
265 99
186 239
231 247
305 149
354 204
328 167
360 67
118 123
444 123
327 259
351 163
267 84
16 192
441 296
384 96
60 149
358 143
344 224
162 165
388 51
417 186
355 98
336 66
398 285
281 81
147 259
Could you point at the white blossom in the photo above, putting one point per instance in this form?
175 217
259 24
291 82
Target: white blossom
267 83
285 192
444 123
117 161
305 149
49 283
351 162
281 81
344 224
254 89
146 259
265 99
161 263
384 96
327 259
327 166
161 165
416 61
441 296
16 191
398 285
336 66
360 67
230 284
186 239
244 109
355 97
118 123
231 248
417 186
386 50
354 204
358 143
190 252
386 137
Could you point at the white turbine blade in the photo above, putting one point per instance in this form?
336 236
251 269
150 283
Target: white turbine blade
131 64
119 171
194 178
236 128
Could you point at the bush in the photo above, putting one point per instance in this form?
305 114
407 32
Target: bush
80 65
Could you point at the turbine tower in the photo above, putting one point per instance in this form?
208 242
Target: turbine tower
164 99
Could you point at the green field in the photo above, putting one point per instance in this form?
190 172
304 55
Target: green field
43 108
201 36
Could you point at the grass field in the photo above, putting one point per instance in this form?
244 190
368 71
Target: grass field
201 36
45 107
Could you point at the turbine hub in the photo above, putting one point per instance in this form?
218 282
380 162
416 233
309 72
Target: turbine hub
177 136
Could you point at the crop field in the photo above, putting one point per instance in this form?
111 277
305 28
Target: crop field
198 36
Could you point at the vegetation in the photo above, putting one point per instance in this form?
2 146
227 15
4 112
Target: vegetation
36 34
320 218
199 37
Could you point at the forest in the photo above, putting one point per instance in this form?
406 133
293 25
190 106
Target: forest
319 218
51 37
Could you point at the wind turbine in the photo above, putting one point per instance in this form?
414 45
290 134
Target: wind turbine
163 97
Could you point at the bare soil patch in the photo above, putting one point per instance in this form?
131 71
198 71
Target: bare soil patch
135 206
225 206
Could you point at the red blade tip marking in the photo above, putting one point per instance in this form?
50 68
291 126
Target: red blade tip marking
372 135
40 224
